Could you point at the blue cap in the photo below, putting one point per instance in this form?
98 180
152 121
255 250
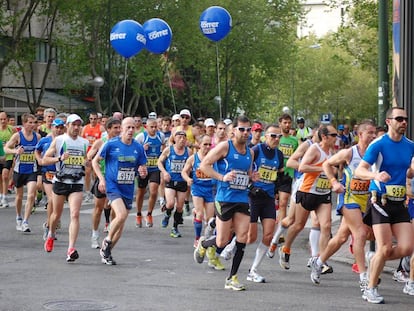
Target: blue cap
340 127
58 122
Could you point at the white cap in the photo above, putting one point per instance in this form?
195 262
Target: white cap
185 112
99 115
152 115
176 117
209 122
227 122
72 118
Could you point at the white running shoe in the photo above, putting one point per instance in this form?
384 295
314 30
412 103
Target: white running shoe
255 277
409 288
371 295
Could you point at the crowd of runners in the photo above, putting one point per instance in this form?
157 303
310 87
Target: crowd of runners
241 176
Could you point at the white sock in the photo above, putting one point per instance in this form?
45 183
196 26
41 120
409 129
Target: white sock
95 233
319 262
281 230
314 235
260 253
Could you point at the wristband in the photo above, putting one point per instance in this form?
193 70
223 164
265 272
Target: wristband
332 180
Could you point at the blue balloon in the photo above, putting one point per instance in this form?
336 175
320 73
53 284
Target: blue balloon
215 23
127 38
158 35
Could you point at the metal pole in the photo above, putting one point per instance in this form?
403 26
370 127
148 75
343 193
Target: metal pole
383 75
109 62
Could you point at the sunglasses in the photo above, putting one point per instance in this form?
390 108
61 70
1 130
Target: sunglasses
400 119
206 144
244 129
332 134
92 118
185 117
273 135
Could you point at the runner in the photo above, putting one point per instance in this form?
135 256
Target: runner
68 153
124 158
171 163
232 161
113 127
392 155
22 144
353 196
268 162
153 142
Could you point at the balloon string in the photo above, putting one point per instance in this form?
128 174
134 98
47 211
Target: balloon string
170 84
124 90
218 78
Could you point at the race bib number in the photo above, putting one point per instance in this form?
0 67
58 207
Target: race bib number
322 184
286 150
240 182
177 166
49 176
126 176
27 158
75 161
395 192
267 175
358 186
152 162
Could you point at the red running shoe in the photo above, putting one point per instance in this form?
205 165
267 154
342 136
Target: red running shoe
49 244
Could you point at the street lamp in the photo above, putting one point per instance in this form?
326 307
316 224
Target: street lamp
217 100
97 83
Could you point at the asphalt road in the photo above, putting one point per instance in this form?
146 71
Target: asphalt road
157 272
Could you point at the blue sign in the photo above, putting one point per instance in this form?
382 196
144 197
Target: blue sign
326 118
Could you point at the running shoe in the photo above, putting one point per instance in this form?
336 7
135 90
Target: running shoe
255 277
355 268
308 265
165 221
108 261
284 259
409 288
4 203
25 227
200 251
72 255
95 242
175 233
271 250
316 271
326 269
88 197
234 284
19 224
400 276
45 231
230 250
371 295
187 208
213 259
49 244
106 228
105 251
138 222
209 230
148 221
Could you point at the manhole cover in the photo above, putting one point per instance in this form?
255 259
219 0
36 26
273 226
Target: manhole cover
78 305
